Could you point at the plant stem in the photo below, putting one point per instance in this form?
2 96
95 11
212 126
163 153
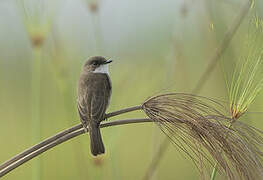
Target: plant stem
228 36
59 135
151 169
214 172
224 45
213 175
40 145
35 107
62 139
237 23
122 111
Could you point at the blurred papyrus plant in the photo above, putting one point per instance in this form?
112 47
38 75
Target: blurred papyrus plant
207 131
37 22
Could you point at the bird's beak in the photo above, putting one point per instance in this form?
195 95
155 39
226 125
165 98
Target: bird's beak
108 61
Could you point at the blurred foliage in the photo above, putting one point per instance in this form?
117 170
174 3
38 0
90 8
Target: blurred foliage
158 46
247 79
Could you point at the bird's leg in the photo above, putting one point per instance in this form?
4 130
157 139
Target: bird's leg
85 126
105 118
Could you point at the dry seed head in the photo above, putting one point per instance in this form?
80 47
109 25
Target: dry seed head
247 79
37 40
200 127
93 7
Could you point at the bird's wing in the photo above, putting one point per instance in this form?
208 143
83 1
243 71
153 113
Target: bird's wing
83 109
100 100
98 106
94 102
82 112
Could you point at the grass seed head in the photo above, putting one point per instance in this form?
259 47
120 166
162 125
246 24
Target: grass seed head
200 127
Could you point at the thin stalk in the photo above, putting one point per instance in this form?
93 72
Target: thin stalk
213 175
35 107
224 45
97 32
59 135
214 171
156 159
122 111
228 36
62 139
40 145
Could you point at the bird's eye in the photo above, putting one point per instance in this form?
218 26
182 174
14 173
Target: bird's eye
95 63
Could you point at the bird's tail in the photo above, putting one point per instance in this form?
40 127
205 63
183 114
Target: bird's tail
96 143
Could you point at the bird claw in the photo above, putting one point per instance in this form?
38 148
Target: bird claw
86 129
105 118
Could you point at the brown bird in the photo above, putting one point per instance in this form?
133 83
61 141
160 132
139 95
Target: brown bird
94 92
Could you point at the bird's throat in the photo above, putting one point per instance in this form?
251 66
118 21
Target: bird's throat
102 69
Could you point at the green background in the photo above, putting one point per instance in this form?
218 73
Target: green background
157 47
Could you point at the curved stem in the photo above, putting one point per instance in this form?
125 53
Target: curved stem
122 111
62 139
59 135
39 145
228 36
215 168
35 106
155 161
213 175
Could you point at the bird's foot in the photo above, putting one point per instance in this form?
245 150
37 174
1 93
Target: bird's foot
86 129
105 118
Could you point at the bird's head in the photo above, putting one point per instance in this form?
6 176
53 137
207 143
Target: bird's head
97 64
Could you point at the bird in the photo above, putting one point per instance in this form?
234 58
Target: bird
93 97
